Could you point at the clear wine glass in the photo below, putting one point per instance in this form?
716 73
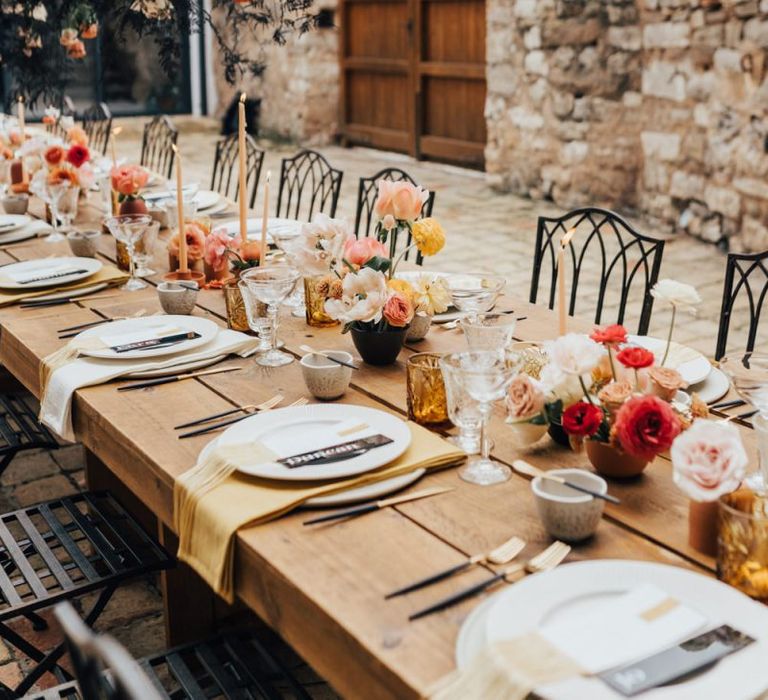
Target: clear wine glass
489 331
749 376
463 410
64 207
49 194
256 312
284 240
5 176
485 377
144 252
271 285
474 293
128 229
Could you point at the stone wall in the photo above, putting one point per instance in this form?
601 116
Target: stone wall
657 105
299 88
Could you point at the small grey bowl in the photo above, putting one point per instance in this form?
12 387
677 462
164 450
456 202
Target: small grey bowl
15 204
325 378
176 298
568 514
84 244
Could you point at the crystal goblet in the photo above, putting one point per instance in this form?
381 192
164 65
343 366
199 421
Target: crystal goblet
285 241
489 331
144 251
128 229
474 293
463 410
64 207
256 313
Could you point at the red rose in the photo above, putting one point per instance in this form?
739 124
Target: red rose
582 419
610 335
635 357
77 155
645 426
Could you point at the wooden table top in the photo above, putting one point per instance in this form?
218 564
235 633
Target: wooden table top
323 589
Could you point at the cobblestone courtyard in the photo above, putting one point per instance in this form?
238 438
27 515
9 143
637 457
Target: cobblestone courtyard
487 232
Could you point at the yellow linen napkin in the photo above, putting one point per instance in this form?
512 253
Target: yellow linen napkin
108 273
212 501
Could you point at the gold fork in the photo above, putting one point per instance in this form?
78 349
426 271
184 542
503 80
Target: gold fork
502 554
543 561
247 410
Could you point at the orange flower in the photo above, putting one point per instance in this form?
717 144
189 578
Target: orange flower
89 31
53 155
76 49
49 120
195 242
68 37
77 136
59 175
250 250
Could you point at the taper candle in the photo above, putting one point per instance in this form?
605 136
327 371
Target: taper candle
115 132
561 309
22 120
264 221
180 213
242 194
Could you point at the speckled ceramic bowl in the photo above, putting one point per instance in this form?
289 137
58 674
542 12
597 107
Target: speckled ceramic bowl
566 513
176 299
325 378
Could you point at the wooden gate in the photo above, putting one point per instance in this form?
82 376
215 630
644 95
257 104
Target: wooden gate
413 77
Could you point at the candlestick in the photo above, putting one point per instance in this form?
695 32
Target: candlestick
264 220
183 268
562 313
115 133
22 120
241 153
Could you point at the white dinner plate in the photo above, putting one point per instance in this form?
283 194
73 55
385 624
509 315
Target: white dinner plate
11 222
693 368
274 225
176 369
145 327
714 387
89 267
20 234
576 588
83 291
300 420
206 199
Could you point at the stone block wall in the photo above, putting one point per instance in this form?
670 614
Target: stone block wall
656 105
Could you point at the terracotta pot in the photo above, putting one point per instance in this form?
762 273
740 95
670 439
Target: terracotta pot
702 527
610 461
379 347
133 206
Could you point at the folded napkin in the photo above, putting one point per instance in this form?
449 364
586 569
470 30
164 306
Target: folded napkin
61 383
36 227
212 501
108 273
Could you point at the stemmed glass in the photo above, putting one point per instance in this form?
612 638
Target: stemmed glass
50 195
271 285
284 241
485 377
145 249
128 229
463 410
749 375
5 176
489 331
257 318
64 206
474 293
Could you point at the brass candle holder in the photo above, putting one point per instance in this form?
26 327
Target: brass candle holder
427 403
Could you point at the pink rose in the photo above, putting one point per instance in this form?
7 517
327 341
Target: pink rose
524 397
407 201
398 310
708 460
217 245
195 242
128 180
360 251
383 205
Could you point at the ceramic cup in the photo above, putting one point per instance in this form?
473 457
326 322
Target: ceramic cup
177 299
325 378
15 204
568 514
84 244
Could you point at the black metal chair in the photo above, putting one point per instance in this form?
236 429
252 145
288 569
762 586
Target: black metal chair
367 191
97 124
225 179
60 550
308 184
746 276
231 665
20 430
606 246
67 109
158 140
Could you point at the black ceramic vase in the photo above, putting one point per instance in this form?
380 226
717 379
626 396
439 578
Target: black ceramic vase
378 347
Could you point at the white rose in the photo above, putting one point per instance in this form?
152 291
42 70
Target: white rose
708 460
575 354
676 293
364 294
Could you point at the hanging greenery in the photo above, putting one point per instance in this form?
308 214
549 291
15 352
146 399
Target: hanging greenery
41 40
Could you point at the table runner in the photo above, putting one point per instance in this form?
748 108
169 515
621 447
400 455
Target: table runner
212 501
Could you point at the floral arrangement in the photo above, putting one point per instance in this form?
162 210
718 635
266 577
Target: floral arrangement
708 460
63 162
601 387
223 252
128 181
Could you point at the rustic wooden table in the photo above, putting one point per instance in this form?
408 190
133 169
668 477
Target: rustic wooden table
323 589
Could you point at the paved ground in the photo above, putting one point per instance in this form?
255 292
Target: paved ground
487 232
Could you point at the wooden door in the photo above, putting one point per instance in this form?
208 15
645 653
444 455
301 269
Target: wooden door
413 77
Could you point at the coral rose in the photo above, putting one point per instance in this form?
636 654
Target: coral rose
360 251
128 180
582 419
610 335
217 247
635 357
524 397
77 155
250 251
195 242
429 236
68 37
645 426
398 310
54 155
89 31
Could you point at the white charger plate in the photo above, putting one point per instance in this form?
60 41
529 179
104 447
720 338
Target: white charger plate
274 225
206 199
20 234
714 387
556 594
206 328
83 291
176 369
90 267
11 222
294 420
692 371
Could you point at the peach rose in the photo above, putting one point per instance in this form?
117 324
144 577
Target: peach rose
77 136
399 200
250 251
398 310
524 397
128 180
664 382
53 155
360 251
68 37
89 31
195 242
